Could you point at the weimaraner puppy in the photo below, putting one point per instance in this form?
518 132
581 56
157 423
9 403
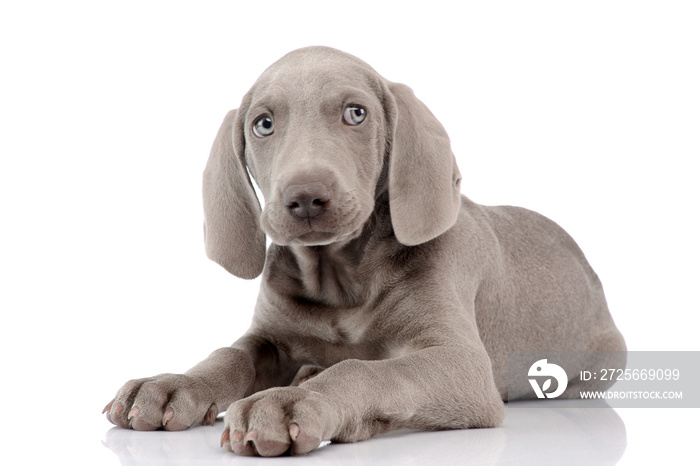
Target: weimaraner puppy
388 300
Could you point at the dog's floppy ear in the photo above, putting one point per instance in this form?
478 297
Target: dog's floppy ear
232 234
424 181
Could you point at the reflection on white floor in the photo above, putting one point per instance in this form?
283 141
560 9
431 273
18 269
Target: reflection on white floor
542 435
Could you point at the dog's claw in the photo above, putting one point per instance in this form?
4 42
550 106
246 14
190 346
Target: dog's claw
169 414
250 437
134 412
211 415
225 437
294 430
108 407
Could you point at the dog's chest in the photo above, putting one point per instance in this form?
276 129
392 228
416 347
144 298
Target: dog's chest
347 335
351 326
328 279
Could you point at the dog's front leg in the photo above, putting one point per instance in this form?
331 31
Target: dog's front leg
439 387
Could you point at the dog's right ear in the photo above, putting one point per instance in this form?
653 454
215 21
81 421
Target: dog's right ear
232 234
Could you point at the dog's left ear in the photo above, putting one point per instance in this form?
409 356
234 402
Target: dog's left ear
232 234
424 181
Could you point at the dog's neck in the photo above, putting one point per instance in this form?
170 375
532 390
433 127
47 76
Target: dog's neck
332 275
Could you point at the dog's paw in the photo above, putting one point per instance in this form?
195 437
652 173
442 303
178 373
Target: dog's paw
278 421
166 401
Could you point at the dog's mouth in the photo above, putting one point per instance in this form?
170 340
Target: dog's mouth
316 238
341 223
324 238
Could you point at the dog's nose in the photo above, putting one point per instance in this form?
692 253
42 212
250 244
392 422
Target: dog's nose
307 200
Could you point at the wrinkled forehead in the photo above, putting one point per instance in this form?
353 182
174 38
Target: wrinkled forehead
307 74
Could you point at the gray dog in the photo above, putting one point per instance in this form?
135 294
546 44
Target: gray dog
388 300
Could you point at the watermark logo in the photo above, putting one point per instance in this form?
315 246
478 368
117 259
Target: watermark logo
601 379
542 368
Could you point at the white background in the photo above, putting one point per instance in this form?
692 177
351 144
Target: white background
587 112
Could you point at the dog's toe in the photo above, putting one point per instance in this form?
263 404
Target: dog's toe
302 441
240 446
265 446
138 423
116 414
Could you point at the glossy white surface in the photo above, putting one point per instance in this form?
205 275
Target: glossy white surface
542 436
539 436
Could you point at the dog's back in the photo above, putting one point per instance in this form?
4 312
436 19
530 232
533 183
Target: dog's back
538 292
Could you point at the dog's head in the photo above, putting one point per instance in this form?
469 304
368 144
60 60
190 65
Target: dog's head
315 132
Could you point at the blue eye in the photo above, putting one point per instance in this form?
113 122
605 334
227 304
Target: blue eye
263 126
354 115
